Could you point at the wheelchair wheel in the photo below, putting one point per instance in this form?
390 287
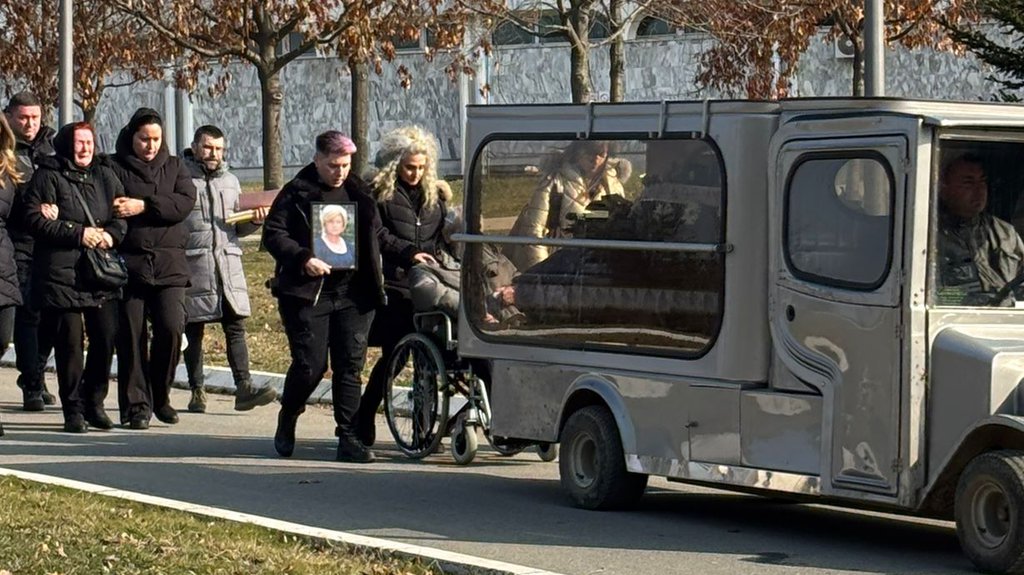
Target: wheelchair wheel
416 396
464 441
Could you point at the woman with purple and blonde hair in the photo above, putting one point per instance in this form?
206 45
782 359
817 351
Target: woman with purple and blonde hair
326 311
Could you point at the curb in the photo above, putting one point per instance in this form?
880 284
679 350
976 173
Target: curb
215 379
448 561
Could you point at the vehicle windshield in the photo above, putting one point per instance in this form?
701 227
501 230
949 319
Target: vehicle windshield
979 254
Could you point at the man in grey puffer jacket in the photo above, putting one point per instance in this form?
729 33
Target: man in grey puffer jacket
218 290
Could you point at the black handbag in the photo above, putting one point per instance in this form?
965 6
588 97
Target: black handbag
100 268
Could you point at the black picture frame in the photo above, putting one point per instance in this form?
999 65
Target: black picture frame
325 247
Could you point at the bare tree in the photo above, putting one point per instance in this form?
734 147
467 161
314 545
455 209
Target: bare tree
255 32
760 42
107 53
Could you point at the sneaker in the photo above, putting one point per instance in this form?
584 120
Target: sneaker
198 402
166 414
48 398
75 424
139 422
32 400
99 420
284 437
351 450
248 397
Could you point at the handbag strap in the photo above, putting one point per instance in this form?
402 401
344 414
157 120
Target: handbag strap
81 200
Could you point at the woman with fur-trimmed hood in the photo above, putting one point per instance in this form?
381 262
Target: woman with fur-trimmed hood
572 178
413 201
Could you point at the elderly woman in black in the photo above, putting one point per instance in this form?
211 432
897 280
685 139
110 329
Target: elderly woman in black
10 293
82 191
412 201
159 196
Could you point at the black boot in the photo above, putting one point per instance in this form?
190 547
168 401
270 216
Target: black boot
48 398
75 423
351 450
32 400
97 417
1 429
247 397
166 414
284 437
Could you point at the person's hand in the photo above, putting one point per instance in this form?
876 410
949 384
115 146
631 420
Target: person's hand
424 258
317 267
108 241
49 211
260 214
92 237
128 207
507 295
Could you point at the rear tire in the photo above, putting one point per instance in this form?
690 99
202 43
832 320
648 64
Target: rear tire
547 452
592 467
416 396
989 511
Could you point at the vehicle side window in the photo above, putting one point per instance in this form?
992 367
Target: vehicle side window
838 221
580 295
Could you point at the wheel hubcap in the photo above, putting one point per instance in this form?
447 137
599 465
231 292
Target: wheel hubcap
584 461
991 511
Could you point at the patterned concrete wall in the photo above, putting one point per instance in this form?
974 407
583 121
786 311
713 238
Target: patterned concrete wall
317 91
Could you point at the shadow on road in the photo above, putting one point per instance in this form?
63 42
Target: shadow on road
494 501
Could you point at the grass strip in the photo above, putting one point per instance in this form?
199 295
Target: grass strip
50 529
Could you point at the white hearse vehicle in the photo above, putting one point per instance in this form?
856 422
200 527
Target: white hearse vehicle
760 301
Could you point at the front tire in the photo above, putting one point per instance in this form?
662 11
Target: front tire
592 465
989 511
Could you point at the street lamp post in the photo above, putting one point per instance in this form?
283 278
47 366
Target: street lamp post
874 48
66 61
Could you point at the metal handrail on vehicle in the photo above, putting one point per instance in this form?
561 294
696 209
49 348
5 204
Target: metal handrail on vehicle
691 247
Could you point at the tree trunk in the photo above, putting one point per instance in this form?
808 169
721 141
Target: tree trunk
579 58
360 72
271 98
88 113
858 69
617 55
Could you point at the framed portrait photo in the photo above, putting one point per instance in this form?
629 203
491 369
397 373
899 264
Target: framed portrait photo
334 234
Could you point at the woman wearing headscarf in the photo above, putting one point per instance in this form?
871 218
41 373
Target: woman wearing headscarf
82 188
413 202
159 195
10 177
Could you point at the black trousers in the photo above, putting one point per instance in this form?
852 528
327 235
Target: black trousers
145 369
32 345
83 381
237 350
396 324
333 327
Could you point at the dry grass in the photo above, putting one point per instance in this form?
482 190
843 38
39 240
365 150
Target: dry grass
49 529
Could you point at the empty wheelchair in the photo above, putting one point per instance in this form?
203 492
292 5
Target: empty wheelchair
432 392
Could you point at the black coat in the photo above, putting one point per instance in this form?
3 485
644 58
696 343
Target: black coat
58 257
288 236
28 155
10 292
408 230
154 247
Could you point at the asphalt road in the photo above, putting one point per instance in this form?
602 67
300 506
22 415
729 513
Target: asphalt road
507 509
